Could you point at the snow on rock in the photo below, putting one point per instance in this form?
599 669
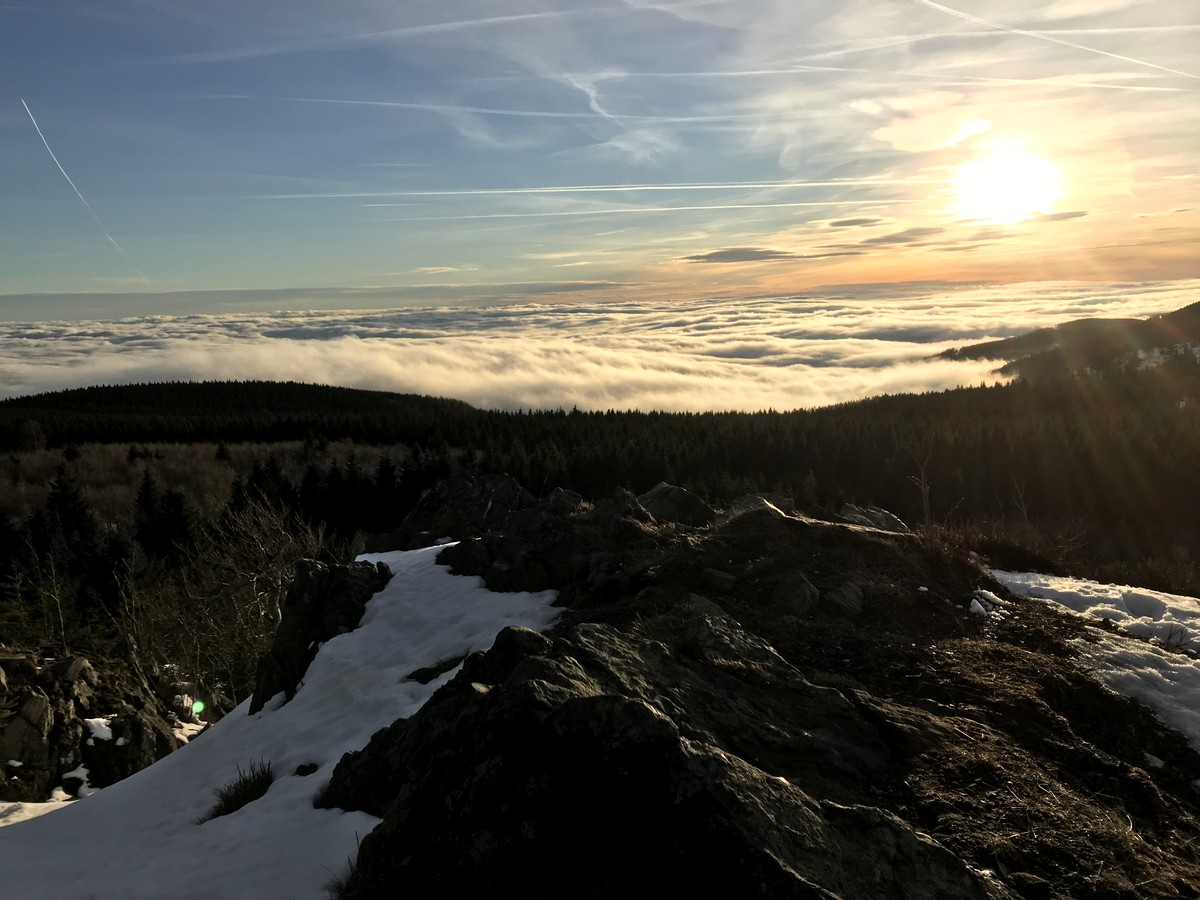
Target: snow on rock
137 838
99 729
1152 670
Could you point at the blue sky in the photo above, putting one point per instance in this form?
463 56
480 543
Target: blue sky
239 157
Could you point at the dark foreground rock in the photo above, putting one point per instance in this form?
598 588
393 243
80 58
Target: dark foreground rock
768 705
684 757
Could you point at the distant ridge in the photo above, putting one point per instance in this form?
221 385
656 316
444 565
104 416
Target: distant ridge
1096 345
223 411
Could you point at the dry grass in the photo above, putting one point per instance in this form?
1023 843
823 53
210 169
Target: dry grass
248 786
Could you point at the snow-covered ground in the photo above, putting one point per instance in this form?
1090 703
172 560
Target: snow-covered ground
1151 666
140 837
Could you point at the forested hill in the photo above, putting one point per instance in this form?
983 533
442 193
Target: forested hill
1112 450
1100 346
258 411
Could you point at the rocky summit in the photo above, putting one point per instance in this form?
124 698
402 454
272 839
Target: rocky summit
752 703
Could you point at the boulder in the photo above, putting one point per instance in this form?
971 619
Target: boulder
463 506
794 594
671 759
871 517
322 602
747 502
669 503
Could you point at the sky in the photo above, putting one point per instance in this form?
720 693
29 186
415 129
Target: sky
280 846
159 157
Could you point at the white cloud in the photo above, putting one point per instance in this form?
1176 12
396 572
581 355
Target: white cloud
782 352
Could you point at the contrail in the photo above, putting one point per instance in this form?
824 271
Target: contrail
1042 36
635 210
82 199
582 189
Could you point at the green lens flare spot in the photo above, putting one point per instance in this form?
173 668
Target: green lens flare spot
198 707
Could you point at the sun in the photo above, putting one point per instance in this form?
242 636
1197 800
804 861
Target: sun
1008 185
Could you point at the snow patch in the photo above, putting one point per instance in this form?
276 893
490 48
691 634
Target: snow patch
137 836
100 729
1172 620
1145 662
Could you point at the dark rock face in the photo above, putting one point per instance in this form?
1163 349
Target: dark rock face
58 715
464 506
669 503
588 553
684 757
322 602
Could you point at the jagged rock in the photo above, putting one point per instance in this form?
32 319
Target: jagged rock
748 502
322 602
669 503
101 714
675 758
469 556
563 502
872 517
846 599
794 594
26 719
562 543
464 506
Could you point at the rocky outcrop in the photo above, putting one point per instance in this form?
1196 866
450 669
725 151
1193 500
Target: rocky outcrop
871 517
670 503
589 553
683 757
463 506
768 705
322 602
76 723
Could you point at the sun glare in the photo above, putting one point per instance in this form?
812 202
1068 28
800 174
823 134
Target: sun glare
1006 186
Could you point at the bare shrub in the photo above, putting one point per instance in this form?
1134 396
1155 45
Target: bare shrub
216 614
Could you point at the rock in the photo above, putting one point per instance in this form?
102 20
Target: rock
846 599
101 714
748 502
682 748
26 719
721 582
669 503
794 594
464 506
469 556
872 517
322 602
563 502
622 518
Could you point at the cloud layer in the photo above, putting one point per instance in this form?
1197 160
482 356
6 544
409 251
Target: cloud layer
769 352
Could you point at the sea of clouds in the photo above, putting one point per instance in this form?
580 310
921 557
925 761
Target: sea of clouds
788 352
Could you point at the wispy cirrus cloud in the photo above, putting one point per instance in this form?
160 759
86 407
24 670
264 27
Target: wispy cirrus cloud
499 133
